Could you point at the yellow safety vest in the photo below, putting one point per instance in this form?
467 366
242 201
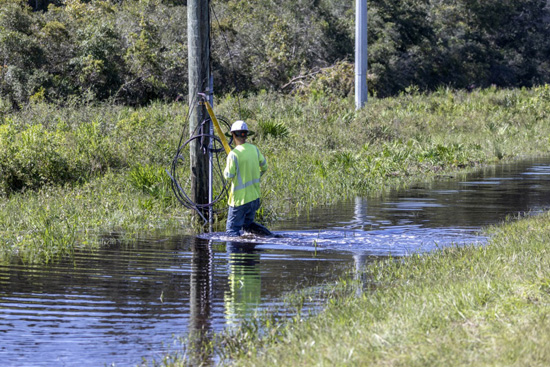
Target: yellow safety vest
245 164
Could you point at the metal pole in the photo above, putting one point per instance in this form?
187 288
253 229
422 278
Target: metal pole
198 33
361 48
211 158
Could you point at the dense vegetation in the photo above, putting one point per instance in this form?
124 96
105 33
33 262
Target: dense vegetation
70 174
136 51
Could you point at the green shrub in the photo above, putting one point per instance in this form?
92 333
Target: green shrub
32 158
335 80
152 180
275 129
96 150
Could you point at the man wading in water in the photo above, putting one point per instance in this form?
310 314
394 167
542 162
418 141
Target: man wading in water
245 164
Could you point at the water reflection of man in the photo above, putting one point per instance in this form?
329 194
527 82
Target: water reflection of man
244 294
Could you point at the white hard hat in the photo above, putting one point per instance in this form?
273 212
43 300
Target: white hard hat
239 126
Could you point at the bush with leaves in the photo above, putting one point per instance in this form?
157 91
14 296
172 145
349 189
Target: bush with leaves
134 52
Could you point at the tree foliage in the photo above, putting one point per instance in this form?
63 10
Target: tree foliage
462 43
134 52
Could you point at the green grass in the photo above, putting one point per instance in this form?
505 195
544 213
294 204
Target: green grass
87 169
43 225
461 306
330 151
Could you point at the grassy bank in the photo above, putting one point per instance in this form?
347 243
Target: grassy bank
70 173
466 306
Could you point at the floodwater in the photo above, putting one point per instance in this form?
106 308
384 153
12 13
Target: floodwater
126 301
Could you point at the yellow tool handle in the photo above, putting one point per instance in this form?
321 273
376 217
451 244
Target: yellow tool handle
217 126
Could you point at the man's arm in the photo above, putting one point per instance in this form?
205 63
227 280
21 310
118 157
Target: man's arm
231 166
263 163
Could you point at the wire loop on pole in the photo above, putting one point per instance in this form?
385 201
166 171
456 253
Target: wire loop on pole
180 169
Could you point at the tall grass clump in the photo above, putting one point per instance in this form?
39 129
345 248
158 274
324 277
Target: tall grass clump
46 234
41 226
153 181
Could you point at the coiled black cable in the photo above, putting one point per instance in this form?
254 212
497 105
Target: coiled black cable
180 167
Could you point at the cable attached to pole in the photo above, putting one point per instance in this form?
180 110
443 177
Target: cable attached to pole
180 168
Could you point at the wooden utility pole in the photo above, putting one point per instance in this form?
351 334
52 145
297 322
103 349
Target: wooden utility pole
198 36
361 47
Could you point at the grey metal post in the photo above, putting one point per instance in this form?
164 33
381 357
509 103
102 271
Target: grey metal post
198 32
361 52
211 157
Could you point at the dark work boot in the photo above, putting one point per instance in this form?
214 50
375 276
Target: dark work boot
258 229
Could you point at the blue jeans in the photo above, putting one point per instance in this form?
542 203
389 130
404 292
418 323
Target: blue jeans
242 217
